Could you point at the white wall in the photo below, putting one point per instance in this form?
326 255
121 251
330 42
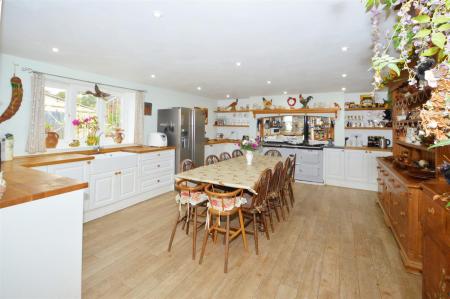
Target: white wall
18 125
328 99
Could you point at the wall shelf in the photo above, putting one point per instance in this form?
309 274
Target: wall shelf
414 146
231 111
367 109
232 126
333 110
369 128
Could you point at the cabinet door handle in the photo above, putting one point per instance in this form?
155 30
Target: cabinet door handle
88 162
395 203
402 213
157 181
378 167
391 180
402 236
158 165
431 211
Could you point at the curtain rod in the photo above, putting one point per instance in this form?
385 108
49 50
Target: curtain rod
27 69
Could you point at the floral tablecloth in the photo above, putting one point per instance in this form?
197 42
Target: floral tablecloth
234 173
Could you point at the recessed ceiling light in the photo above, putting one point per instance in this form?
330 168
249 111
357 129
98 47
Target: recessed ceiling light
344 49
199 88
56 50
284 92
157 14
344 89
228 96
238 63
269 82
344 75
153 76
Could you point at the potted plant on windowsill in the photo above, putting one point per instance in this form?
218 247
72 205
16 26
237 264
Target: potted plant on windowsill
249 146
91 124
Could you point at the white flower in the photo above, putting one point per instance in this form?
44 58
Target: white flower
244 142
433 124
432 81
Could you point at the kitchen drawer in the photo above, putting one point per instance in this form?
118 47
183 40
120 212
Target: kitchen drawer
152 165
305 156
155 182
434 216
158 155
306 172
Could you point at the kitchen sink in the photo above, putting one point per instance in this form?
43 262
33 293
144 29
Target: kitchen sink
114 161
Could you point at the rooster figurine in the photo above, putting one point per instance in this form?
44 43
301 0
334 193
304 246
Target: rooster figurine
304 101
267 104
233 105
98 93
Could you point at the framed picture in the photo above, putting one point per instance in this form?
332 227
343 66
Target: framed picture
147 108
366 100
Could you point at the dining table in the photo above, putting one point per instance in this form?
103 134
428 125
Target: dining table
233 173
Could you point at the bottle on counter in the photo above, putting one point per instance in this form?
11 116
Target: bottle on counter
9 147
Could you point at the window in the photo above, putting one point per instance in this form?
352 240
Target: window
55 110
66 103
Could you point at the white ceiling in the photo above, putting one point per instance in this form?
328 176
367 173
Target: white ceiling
294 44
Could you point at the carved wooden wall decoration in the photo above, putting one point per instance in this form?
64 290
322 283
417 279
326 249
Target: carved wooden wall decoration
16 99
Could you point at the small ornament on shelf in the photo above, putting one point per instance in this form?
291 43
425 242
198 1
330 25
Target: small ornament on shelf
304 101
291 102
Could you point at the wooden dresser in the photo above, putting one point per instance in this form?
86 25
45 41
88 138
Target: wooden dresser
436 242
399 197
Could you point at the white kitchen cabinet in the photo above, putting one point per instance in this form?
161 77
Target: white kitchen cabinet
352 168
127 183
356 166
102 189
334 161
75 170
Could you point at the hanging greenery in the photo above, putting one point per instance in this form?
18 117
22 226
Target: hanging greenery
421 37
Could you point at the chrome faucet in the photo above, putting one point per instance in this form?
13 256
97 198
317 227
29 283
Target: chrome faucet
98 147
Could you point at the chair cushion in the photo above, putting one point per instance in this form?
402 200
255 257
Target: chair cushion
226 204
193 198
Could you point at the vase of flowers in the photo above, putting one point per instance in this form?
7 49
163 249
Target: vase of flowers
91 124
249 146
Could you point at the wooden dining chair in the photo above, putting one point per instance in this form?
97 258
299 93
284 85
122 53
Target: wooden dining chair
255 209
225 156
187 164
192 196
276 191
272 153
212 159
289 164
237 153
223 204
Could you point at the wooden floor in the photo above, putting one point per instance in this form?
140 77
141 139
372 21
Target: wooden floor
334 245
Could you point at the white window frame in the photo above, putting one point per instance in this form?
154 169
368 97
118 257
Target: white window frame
126 112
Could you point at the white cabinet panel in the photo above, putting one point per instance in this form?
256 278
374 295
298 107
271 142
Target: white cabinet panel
355 166
128 183
334 161
103 189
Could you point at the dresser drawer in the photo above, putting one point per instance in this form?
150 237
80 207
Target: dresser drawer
158 155
151 183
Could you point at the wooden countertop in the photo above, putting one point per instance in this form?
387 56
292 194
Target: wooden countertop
372 149
402 175
220 141
24 184
146 149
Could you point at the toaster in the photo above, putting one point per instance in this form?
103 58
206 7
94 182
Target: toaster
157 139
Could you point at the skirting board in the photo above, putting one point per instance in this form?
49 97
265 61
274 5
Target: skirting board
103 211
353 185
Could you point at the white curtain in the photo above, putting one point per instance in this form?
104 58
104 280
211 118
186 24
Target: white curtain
139 118
36 131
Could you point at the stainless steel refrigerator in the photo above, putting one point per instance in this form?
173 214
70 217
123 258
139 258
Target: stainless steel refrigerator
185 129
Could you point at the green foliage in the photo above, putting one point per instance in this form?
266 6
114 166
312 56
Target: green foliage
440 144
422 33
422 19
439 39
430 52
444 27
441 19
